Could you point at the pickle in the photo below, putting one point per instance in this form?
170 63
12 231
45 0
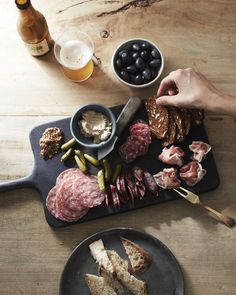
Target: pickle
91 160
107 169
66 155
117 172
81 156
80 164
101 180
68 144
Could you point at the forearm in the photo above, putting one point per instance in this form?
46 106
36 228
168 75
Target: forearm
224 104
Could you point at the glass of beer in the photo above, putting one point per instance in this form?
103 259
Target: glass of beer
74 51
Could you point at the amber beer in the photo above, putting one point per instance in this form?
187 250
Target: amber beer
74 51
33 29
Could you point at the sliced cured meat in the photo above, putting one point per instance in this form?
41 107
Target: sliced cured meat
141 188
150 183
167 178
141 129
158 117
73 195
192 173
138 173
172 156
115 197
200 150
122 195
128 152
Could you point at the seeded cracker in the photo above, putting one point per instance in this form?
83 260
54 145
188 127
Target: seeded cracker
158 117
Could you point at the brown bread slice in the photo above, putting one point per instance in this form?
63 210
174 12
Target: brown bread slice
171 134
187 120
113 282
137 287
139 258
122 262
99 254
158 117
179 122
98 285
197 116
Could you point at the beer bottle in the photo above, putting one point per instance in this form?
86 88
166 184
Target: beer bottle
33 29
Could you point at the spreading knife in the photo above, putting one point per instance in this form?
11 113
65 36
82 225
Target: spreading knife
122 121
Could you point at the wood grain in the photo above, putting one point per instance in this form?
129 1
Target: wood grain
199 34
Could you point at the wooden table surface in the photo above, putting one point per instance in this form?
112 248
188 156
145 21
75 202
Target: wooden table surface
33 91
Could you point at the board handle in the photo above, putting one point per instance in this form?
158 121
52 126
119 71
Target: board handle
17 183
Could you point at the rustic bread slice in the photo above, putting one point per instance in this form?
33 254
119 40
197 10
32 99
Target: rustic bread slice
123 263
139 258
113 282
99 253
158 117
98 285
137 287
171 133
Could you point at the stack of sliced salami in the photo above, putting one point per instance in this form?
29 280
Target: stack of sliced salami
137 143
171 124
73 195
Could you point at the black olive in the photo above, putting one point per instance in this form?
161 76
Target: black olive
126 59
132 69
147 74
118 63
132 77
131 52
155 63
135 55
145 45
154 73
136 47
138 80
122 51
125 76
139 63
144 55
155 53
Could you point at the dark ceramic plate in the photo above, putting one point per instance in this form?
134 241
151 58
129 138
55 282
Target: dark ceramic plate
163 277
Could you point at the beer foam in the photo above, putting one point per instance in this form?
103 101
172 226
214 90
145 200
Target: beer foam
75 54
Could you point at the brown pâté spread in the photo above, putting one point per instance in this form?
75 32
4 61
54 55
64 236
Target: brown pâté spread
50 142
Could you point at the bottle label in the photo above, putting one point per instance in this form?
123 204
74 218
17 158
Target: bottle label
39 48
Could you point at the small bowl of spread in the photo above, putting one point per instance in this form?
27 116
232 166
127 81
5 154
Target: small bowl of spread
93 125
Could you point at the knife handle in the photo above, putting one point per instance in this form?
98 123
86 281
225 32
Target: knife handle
127 114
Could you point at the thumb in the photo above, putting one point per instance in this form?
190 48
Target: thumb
164 100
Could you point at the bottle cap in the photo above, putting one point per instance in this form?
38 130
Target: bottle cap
22 4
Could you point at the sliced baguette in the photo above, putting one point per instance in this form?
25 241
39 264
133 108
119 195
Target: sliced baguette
98 285
137 287
113 282
99 253
139 258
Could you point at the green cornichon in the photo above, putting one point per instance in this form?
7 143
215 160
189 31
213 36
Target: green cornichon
117 172
68 144
66 155
91 160
81 156
80 164
107 169
101 180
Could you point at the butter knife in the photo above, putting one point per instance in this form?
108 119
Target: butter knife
122 121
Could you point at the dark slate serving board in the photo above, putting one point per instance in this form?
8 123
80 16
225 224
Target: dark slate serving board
44 173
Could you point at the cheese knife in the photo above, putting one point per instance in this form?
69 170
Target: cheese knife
122 121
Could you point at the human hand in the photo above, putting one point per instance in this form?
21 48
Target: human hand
187 88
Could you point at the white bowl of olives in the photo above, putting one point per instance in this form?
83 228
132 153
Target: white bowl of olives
137 63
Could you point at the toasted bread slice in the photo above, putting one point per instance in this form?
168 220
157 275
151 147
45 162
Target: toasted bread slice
122 262
99 253
98 285
139 258
113 282
136 286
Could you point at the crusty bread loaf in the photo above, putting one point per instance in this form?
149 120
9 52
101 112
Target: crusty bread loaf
112 281
139 258
99 253
136 286
98 285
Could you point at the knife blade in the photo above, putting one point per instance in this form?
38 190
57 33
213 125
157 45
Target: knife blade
122 121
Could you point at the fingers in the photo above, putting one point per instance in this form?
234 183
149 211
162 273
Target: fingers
166 100
165 86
